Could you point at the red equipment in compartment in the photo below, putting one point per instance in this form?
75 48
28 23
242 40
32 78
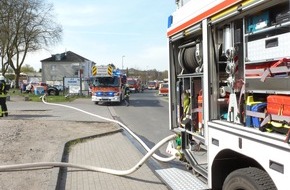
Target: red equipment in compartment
278 105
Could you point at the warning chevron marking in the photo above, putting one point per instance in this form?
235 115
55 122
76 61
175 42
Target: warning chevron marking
94 70
110 70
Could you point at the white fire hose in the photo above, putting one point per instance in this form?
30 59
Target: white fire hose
93 168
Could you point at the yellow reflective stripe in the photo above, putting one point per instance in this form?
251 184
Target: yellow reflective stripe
2 94
278 125
269 130
186 109
231 10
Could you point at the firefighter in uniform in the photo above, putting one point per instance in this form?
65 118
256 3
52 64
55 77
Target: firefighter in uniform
186 121
3 92
127 95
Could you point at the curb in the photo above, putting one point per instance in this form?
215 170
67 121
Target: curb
56 177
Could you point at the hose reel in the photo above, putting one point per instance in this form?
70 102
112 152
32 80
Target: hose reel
190 57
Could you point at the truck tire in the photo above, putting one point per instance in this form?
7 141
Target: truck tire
52 92
249 179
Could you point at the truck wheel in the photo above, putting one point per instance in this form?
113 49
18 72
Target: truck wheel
53 92
249 179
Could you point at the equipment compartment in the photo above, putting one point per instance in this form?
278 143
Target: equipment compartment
283 17
258 22
269 48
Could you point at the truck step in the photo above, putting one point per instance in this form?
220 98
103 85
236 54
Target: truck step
178 179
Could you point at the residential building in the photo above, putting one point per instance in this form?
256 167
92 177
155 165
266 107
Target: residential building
67 64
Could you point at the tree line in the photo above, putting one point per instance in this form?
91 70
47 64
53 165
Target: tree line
147 75
25 26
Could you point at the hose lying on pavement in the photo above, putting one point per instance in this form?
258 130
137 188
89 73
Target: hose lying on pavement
90 168
93 168
161 159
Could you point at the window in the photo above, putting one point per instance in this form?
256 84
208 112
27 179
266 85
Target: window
106 81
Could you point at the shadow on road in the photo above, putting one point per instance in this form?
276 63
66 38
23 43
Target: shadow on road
145 103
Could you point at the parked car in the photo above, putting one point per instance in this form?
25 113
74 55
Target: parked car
163 89
50 90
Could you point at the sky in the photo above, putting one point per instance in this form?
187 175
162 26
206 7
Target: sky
112 31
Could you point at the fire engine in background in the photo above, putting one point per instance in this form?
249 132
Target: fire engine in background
231 59
107 84
134 84
153 85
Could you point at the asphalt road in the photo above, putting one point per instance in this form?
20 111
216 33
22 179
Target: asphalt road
148 117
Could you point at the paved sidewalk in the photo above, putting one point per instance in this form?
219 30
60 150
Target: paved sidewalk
113 151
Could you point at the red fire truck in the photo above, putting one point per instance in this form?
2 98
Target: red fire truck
134 84
153 85
230 59
107 84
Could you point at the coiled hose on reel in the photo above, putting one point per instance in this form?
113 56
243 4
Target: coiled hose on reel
190 57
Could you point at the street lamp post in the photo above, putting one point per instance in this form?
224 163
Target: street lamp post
147 75
122 61
81 70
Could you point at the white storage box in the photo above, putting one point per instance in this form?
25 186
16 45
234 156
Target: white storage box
274 47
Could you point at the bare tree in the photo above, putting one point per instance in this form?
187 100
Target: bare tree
26 26
3 37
